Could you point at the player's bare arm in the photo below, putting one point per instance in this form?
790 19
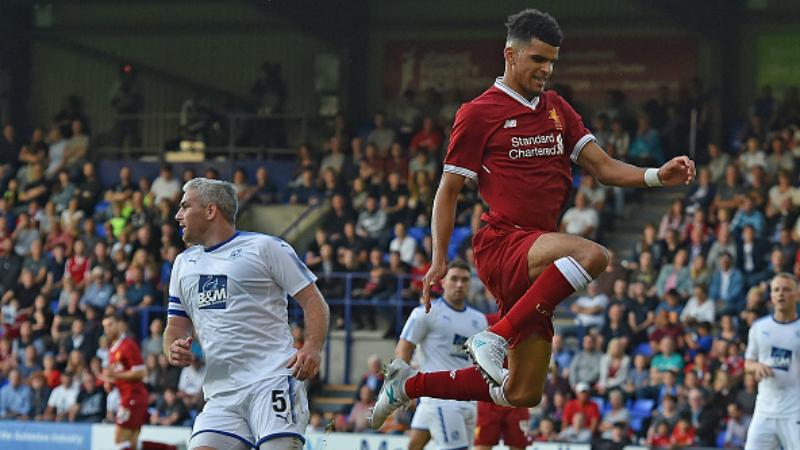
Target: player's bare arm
613 172
444 212
305 363
178 341
760 370
404 350
125 375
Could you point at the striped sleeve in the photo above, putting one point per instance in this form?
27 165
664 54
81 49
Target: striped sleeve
175 306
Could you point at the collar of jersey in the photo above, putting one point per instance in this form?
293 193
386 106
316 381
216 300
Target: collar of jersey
441 299
214 247
785 323
498 83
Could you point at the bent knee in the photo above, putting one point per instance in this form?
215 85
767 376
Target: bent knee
527 398
594 259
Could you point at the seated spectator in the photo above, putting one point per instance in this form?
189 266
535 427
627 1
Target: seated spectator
371 222
264 191
667 359
190 385
403 243
394 198
165 186
736 426
40 393
545 432
98 291
169 410
428 139
581 219
577 432
645 148
614 367
660 436
15 398
397 162
305 191
373 378
30 363
358 419
639 376
616 327
78 340
699 341
583 404
641 312
701 193
675 276
746 396
152 344
559 354
727 286
90 406
316 423
589 309
667 411
683 433
139 293
646 273
699 308
703 418
585 365
663 326
616 415
723 243
748 214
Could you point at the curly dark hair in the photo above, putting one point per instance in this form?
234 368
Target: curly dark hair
532 23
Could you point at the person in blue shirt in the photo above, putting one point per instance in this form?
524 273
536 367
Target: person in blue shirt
15 398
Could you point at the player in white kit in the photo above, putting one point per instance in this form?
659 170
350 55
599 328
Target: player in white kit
440 336
231 288
773 354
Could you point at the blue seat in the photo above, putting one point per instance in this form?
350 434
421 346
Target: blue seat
418 233
100 230
600 402
636 424
101 207
642 407
644 349
456 239
721 439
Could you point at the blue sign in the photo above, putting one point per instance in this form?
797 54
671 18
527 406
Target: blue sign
18 435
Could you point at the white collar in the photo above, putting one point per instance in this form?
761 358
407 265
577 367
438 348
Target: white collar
498 83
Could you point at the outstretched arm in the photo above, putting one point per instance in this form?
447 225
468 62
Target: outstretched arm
444 212
613 172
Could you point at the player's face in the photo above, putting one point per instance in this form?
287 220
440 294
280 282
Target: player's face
191 218
456 285
783 294
110 328
531 65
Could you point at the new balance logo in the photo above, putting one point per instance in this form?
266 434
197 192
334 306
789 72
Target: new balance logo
512 123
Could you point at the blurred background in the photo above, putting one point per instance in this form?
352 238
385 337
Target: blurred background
332 119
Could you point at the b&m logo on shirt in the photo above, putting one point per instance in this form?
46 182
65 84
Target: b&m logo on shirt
780 358
212 292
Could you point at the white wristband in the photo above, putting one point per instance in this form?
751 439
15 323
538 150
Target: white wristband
651 178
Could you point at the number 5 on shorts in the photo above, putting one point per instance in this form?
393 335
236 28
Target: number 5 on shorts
279 400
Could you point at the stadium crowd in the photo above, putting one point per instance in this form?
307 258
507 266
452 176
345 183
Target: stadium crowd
656 352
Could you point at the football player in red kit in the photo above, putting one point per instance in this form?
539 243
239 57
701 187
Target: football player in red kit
518 142
127 370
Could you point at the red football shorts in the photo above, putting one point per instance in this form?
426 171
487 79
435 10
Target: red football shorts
132 412
501 258
496 421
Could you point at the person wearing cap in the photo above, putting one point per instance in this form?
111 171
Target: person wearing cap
582 403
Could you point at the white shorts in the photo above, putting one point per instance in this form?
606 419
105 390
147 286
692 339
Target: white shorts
450 423
769 433
267 409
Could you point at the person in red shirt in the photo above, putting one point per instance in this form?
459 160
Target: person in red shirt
428 139
518 142
582 403
683 433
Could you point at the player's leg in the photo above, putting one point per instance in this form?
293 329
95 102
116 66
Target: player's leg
418 438
762 434
420 425
219 426
789 432
277 410
452 427
559 264
515 423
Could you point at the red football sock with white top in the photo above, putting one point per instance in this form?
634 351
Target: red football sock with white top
462 384
533 312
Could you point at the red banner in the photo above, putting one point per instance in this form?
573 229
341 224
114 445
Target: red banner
591 66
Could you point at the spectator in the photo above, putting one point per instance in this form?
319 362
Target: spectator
667 411
703 418
358 419
616 415
88 190
152 344
373 378
673 220
394 198
675 276
589 309
560 355
428 139
169 410
645 148
723 244
746 396
546 431
581 219
577 432
15 398
660 437
748 215
63 397
701 194
190 385
30 363
667 358
98 292
683 433
381 136
264 191
639 375
371 222
585 365
727 286
90 406
614 367
736 426
40 393
165 186
403 244
699 308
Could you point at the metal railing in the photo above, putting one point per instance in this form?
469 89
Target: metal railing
153 134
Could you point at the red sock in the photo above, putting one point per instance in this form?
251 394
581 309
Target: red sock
462 384
150 445
533 312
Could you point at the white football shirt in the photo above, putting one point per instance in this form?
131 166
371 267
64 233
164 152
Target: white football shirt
235 293
440 334
777 345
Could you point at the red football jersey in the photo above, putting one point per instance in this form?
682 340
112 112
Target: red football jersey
519 151
125 355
